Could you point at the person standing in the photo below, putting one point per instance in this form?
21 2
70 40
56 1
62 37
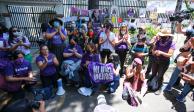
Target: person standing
162 52
56 35
122 43
107 42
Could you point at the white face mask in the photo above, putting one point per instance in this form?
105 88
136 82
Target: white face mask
17 34
123 32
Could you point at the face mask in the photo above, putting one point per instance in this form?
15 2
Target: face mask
56 24
164 39
17 34
19 60
123 32
91 34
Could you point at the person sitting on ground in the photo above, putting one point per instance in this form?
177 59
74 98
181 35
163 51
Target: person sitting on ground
16 74
113 85
47 63
135 75
72 60
90 55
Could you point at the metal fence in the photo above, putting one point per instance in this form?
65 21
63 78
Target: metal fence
29 19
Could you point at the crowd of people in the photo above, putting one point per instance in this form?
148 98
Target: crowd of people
95 41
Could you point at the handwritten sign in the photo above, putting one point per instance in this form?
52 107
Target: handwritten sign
101 73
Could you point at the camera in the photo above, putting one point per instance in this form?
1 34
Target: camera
180 16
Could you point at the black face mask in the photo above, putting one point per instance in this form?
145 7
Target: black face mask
164 39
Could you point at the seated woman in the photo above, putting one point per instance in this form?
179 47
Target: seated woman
47 63
16 74
136 77
113 85
90 55
20 42
72 59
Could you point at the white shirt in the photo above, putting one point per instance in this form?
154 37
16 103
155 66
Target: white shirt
107 44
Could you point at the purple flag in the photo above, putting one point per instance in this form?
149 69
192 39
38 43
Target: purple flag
101 73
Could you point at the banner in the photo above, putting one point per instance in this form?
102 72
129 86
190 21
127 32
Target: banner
130 12
101 73
142 12
114 11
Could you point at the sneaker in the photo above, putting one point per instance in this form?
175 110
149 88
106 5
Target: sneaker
180 99
158 92
168 89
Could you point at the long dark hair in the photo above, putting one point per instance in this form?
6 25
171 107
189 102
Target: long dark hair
11 36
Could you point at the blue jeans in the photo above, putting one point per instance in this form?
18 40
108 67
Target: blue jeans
186 89
114 84
174 77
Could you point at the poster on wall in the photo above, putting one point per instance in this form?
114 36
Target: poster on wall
114 11
130 12
142 12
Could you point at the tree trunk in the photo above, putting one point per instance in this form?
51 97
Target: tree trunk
177 9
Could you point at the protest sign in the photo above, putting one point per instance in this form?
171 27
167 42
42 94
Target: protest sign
101 73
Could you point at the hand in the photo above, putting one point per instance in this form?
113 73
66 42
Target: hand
158 52
30 79
46 59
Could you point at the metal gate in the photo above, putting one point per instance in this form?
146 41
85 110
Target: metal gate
29 19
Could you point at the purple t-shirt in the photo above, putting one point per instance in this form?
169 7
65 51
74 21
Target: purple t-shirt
90 57
165 48
18 70
68 50
50 69
3 44
56 40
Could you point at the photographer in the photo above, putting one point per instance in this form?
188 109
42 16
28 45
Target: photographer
24 105
188 33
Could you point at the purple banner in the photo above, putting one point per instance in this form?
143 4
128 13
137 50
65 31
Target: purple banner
101 73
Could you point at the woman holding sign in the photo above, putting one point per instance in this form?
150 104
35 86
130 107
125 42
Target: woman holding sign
122 43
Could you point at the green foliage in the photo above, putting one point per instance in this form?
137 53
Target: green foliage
151 31
189 8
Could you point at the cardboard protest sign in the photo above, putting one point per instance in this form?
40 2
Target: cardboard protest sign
101 73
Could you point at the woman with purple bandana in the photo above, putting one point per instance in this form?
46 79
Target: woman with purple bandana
56 35
162 51
20 42
122 43
17 73
47 63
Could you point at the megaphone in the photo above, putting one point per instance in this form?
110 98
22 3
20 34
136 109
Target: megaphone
60 90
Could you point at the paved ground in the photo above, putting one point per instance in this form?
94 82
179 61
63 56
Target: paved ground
72 101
